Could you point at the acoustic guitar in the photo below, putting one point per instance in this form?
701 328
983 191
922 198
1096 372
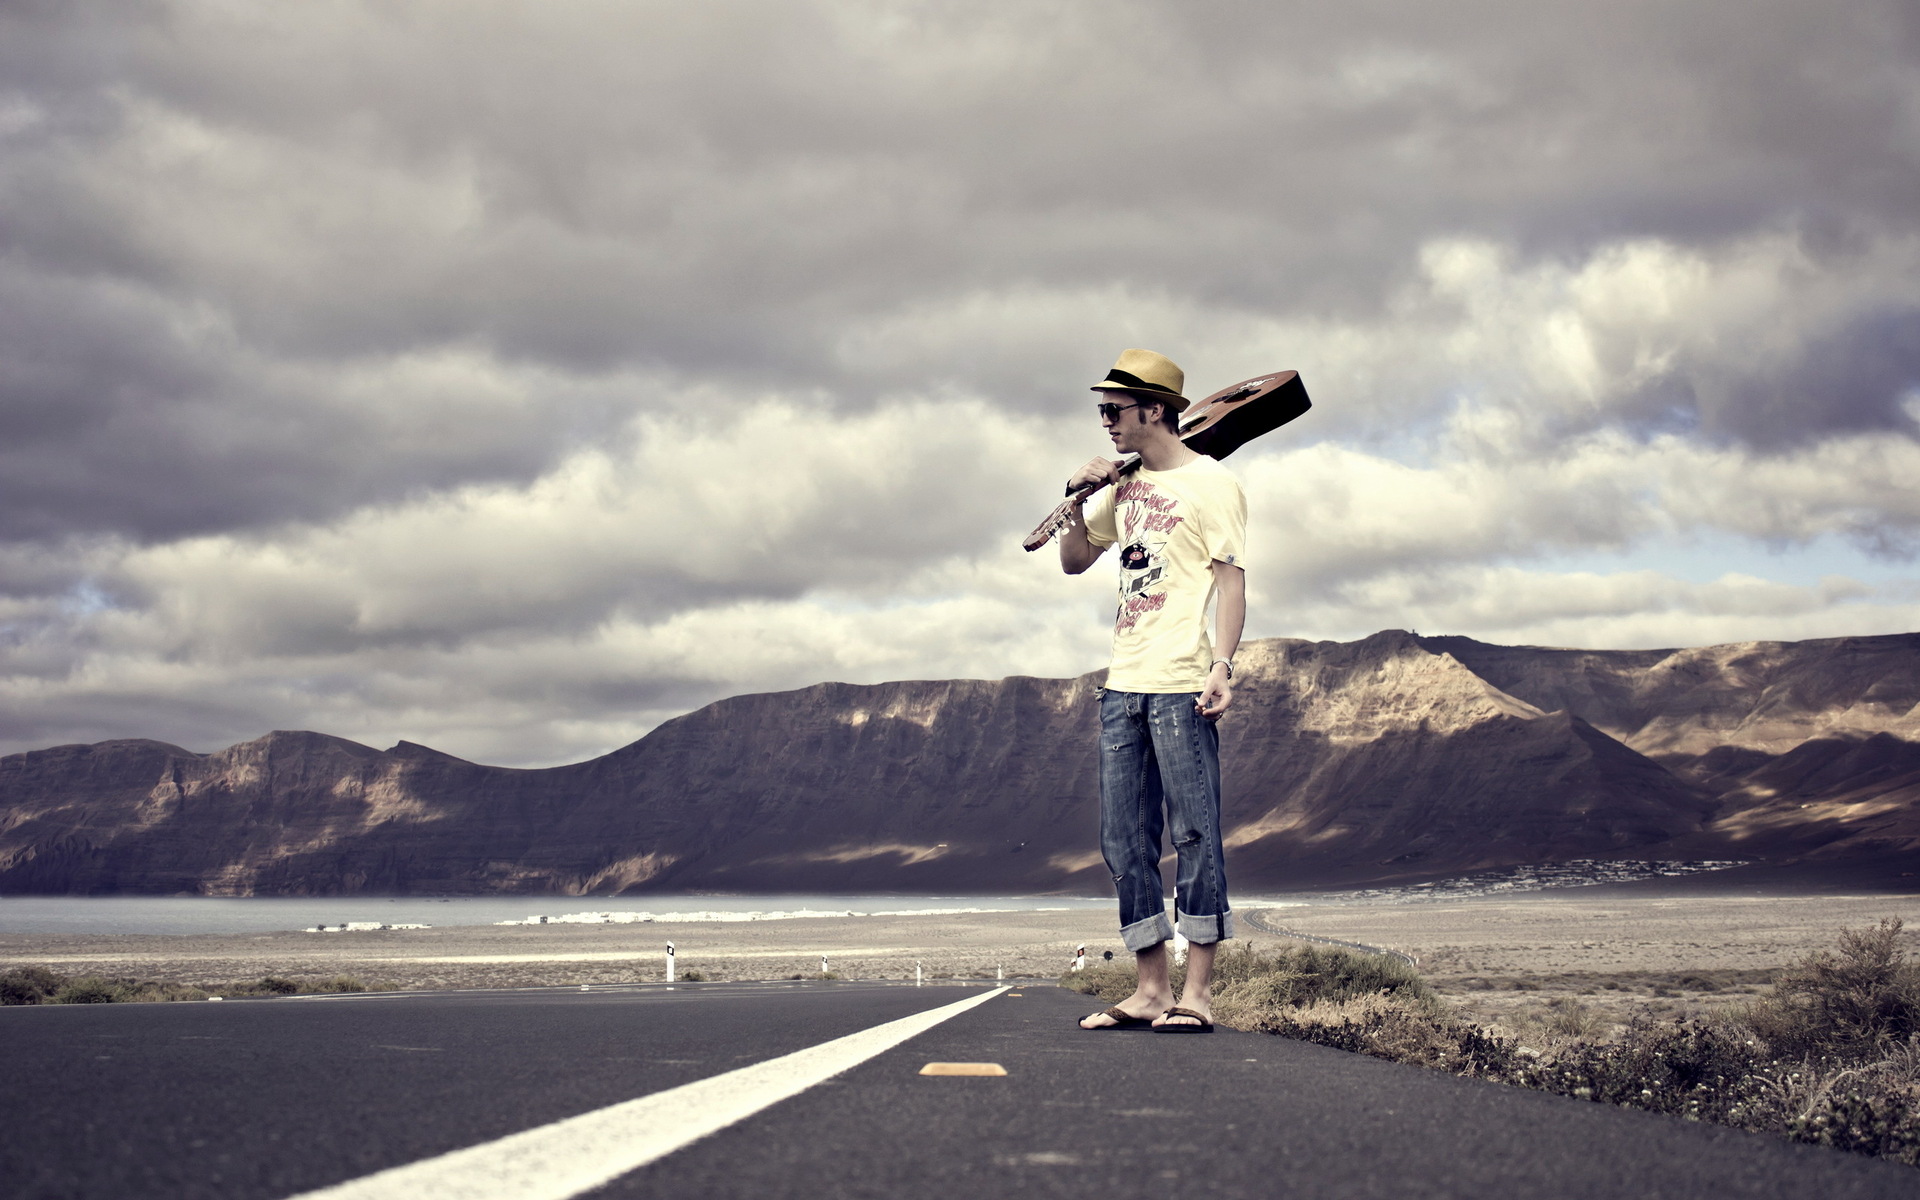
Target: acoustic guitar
1216 427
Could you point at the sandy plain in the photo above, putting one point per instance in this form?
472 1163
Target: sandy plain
1507 960
1502 959
977 945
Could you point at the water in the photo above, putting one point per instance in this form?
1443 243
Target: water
207 914
204 914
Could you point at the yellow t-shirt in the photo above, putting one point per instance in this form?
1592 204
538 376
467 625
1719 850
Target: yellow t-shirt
1172 526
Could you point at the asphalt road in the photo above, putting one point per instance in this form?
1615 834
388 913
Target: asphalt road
259 1100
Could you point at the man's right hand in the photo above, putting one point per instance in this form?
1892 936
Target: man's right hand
1099 470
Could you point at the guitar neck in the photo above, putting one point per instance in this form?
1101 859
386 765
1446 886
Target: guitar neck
1127 467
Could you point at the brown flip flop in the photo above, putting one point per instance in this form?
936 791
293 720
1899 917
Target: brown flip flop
1205 1026
1124 1022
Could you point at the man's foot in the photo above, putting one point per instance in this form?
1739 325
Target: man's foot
1188 1013
1181 1019
1116 1018
1137 1008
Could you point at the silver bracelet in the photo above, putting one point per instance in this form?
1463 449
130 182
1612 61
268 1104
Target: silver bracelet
1216 662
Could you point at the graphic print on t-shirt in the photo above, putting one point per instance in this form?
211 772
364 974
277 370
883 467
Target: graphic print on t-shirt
1146 520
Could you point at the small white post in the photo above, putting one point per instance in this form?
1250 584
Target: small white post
916 975
1080 958
823 964
999 974
669 962
1179 947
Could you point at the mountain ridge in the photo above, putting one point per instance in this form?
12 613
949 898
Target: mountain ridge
1390 758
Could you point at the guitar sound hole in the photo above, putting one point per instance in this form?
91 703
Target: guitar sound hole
1201 414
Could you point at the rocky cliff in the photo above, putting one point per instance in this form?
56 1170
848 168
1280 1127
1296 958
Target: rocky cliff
1395 757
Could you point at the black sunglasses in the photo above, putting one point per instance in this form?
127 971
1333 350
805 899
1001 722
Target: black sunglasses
1111 411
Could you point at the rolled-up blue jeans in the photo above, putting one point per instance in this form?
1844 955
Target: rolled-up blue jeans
1160 770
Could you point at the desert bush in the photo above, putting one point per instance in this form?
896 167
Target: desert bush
1701 1070
1568 1018
28 985
37 985
148 991
1111 982
1384 1026
278 985
694 976
87 989
1251 987
1854 1003
1882 1123
267 985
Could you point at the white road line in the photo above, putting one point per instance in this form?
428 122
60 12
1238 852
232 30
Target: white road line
553 1162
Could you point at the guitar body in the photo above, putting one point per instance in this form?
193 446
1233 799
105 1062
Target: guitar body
1215 427
1234 416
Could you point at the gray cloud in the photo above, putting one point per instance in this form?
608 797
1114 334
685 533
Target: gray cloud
347 343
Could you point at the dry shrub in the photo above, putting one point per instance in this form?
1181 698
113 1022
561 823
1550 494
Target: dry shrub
1401 1029
37 985
1251 985
1852 1004
92 989
87 989
28 985
279 985
1568 1018
1884 1124
1111 982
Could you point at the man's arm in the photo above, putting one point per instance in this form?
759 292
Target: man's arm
1076 552
1229 619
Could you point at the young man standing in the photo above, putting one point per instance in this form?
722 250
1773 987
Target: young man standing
1180 520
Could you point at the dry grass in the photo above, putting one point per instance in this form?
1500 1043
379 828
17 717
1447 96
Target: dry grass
1252 987
37 985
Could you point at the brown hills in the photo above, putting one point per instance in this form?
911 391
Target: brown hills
1395 757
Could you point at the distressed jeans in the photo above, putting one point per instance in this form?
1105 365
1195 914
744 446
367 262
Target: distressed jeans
1157 753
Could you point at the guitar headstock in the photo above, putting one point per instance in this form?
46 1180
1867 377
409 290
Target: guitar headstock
1045 530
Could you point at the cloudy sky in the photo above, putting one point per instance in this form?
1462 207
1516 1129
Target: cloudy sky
510 377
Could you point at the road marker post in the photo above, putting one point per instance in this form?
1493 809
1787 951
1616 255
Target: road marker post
669 962
917 982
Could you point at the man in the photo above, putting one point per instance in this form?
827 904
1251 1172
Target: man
1180 520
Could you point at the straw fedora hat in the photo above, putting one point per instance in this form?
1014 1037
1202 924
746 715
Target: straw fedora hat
1151 375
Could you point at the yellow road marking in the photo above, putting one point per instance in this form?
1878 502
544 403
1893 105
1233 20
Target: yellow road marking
963 1069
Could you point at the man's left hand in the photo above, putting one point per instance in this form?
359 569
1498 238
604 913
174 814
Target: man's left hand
1217 697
